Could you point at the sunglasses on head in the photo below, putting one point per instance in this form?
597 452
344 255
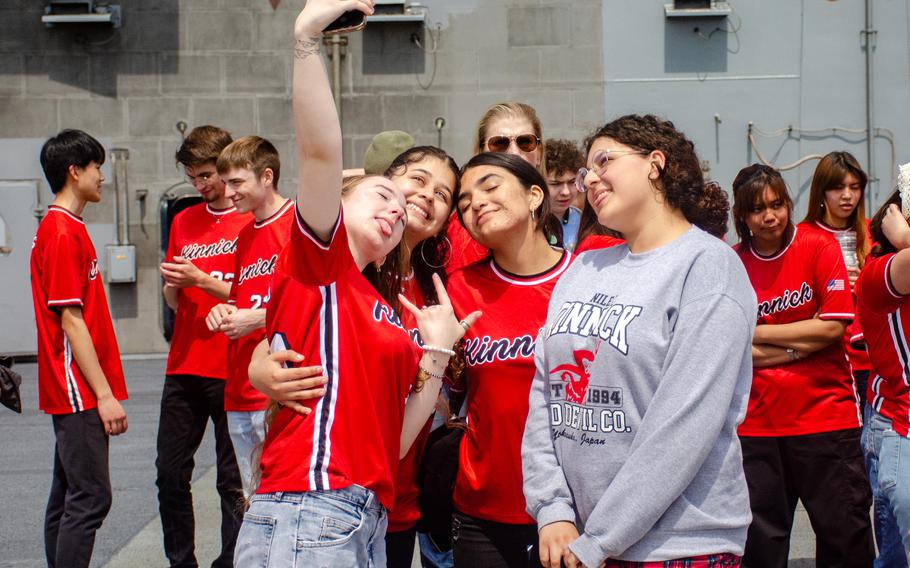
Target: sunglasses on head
599 162
501 143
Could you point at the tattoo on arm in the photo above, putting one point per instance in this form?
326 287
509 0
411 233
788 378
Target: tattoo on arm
304 48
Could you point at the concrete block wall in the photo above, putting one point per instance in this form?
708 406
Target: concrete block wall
547 54
228 62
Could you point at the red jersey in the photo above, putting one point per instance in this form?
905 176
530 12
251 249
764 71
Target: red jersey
323 308
885 319
465 250
816 394
499 353
64 272
258 246
208 238
594 242
853 335
406 511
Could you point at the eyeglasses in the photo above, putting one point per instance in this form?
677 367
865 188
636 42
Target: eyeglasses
501 143
203 177
599 162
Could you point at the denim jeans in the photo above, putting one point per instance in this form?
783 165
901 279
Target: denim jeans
313 529
431 556
887 534
247 430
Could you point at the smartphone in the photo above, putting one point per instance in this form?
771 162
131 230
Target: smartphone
350 21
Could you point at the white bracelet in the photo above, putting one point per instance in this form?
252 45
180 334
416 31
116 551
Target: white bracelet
434 349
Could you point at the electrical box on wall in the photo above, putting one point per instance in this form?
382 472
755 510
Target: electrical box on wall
121 264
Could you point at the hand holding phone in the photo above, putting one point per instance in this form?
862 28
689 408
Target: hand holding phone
318 15
350 21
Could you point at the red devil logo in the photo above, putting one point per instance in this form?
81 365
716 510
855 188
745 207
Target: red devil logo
576 376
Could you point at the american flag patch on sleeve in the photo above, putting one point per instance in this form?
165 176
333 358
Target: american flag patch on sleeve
835 285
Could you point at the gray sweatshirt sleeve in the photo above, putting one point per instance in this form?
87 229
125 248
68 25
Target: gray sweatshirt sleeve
681 425
546 491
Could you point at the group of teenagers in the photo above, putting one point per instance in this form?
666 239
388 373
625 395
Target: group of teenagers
541 358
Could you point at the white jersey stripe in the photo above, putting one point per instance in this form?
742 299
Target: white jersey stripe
333 384
325 410
876 398
900 343
72 388
308 233
318 411
68 302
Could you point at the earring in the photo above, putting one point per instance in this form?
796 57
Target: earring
533 215
378 264
446 256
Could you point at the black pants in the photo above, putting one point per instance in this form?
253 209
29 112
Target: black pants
862 381
80 490
399 548
478 543
187 404
827 473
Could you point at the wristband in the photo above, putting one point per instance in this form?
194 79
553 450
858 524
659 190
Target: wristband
434 349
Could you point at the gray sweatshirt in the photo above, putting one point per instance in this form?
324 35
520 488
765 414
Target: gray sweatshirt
643 374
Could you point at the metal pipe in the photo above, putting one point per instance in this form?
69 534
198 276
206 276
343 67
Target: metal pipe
869 35
119 159
336 42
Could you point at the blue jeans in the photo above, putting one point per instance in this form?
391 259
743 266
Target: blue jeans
431 556
887 534
341 527
247 430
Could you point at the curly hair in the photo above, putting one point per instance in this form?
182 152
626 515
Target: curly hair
714 210
563 156
680 179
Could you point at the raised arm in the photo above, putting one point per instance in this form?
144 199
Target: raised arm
440 330
316 118
897 230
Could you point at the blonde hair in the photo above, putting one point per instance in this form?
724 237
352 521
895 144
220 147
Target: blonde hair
511 109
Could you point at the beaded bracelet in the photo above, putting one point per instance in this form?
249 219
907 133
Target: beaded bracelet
434 349
423 376
421 370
